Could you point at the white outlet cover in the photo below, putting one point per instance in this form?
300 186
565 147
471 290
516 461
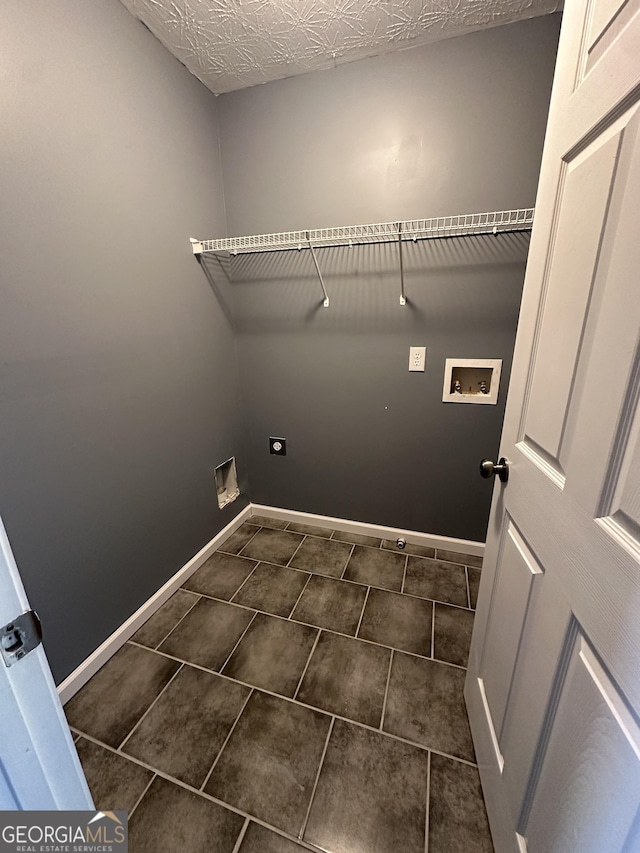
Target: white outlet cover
417 358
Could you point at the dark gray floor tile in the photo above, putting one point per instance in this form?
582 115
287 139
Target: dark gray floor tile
322 556
272 654
376 568
272 546
346 677
357 539
398 621
409 548
115 782
221 575
457 557
165 619
112 702
263 521
457 816
171 819
273 589
474 585
371 795
425 704
310 529
236 542
332 604
259 839
186 728
208 633
452 634
437 580
269 765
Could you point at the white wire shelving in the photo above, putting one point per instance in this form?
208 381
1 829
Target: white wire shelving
438 227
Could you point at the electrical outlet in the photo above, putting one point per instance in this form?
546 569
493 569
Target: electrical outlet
278 446
417 358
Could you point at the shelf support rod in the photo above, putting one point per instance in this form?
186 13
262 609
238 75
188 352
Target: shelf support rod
403 300
315 261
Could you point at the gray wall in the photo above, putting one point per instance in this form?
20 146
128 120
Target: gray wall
118 381
452 127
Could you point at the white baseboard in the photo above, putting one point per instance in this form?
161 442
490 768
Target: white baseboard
448 543
79 677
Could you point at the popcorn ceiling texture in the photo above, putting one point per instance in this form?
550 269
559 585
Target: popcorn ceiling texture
234 44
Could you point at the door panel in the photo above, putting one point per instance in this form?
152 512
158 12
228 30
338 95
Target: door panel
602 429
608 19
553 686
515 574
584 205
587 794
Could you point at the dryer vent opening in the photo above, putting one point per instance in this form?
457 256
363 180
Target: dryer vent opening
227 482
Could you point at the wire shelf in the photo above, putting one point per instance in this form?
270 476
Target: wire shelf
465 224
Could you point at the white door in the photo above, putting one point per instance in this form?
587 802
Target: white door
553 686
39 766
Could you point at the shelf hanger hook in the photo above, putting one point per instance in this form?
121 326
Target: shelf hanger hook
325 301
403 299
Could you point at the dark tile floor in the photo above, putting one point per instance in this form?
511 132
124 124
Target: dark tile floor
303 691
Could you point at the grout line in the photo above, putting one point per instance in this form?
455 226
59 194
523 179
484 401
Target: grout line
426 817
306 666
240 639
443 560
466 574
197 597
126 738
317 779
311 625
306 584
297 549
226 740
240 838
139 800
231 601
364 604
247 815
433 630
295 702
353 548
315 535
319 574
386 691
404 573
163 775
237 554
246 559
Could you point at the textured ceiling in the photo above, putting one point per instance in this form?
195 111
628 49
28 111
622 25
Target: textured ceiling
233 44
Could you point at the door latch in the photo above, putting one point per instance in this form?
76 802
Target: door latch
19 637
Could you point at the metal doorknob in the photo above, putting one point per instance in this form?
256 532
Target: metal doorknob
489 469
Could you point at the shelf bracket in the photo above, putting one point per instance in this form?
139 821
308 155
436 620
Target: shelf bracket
403 299
315 261
196 246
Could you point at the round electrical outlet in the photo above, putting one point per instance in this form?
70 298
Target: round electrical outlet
277 446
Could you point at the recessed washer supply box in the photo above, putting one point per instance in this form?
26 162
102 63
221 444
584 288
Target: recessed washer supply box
472 380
